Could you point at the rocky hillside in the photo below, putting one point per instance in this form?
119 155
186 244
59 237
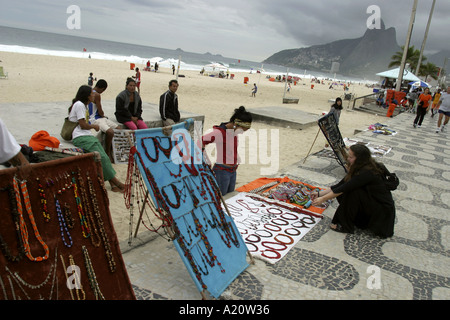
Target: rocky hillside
364 56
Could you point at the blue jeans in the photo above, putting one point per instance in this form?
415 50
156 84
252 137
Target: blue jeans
225 179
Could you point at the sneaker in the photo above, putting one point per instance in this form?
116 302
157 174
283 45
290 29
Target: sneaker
438 130
442 128
415 125
419 126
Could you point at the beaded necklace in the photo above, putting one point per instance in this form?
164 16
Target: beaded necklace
99 220
189 257
214 192
94 236
85 231
15 217
63 225
77 279
177 196
173 174
43 201
23 226
91 275
211 258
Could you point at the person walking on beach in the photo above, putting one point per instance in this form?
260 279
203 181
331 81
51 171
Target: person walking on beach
129 107
137 77
444 110
336 108
173 69
422 107
97 116
364 200
255 89
168 105
83 138
225 137
91 79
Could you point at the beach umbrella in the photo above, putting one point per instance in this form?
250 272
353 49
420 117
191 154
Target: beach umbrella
419 84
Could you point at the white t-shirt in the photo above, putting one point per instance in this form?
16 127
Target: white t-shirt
8 144
79 111
445 102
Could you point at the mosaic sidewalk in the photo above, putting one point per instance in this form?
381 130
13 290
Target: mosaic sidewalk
412 265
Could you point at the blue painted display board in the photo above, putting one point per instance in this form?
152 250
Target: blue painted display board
181 185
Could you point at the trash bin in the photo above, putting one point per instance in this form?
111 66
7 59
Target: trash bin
132 66
245 80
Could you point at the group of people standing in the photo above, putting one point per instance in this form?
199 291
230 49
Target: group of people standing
439 104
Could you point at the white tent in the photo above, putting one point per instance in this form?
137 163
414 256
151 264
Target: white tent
215 66
393 74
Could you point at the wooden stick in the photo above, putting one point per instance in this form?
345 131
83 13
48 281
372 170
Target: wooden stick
312 145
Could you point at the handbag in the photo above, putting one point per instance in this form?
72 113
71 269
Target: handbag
391 181
67 129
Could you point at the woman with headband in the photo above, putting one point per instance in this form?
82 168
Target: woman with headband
225 136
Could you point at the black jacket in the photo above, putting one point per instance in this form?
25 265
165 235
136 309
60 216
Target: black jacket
124 111
168 106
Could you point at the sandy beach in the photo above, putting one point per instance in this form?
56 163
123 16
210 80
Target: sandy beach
41 78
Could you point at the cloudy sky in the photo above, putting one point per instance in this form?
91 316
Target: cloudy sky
245 29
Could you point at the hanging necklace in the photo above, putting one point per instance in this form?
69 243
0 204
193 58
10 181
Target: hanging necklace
173 174
177 196
166 151
91 275
84 224
94 234
63 225
43 201
103 235
15 217
155 159
23 226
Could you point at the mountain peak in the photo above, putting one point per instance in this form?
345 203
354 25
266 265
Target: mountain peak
366 55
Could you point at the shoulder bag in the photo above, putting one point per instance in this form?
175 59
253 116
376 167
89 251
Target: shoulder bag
67 129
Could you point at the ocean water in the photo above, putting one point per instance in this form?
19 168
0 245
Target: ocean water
36 42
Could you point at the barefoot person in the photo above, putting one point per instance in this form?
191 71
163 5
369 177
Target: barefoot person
364 200
83 138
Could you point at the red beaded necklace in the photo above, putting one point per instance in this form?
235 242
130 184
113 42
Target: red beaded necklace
23 226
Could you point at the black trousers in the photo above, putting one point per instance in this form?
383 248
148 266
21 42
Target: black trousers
421 112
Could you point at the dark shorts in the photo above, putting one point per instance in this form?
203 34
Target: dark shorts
446 113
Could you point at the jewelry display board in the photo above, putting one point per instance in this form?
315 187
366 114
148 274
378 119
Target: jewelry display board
188 200
57 238
121 145
270 228
331 132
